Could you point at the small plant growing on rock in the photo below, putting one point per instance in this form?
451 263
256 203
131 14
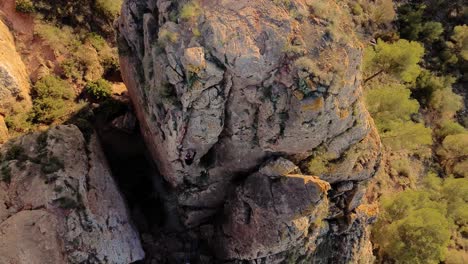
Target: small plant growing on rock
16 152
110 8
190 11
165 37
25 6
99 90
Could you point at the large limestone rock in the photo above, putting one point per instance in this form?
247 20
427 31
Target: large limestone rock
14 80
233 85
59 203
272 212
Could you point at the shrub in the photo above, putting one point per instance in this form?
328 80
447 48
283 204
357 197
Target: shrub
48 110
25 6
15 152
50 97
190 11
99 90
52 87
61 39
110 8
356 9
383 11
165 37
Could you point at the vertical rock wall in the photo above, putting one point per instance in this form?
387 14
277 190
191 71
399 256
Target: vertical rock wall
235 99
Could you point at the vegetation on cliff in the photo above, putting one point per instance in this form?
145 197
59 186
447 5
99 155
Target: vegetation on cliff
77 54
415 80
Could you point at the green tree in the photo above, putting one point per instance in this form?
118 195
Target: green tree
450 127
446 102
414 25
390 103
454 147
399 59
456 50
431 32
413 227
459 41
427 83
391 107
454 154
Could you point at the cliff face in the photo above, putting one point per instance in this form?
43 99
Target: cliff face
14 80
235 100
59 203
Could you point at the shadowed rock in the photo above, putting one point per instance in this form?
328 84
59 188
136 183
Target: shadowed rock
59 203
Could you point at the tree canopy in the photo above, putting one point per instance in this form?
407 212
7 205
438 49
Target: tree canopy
399 59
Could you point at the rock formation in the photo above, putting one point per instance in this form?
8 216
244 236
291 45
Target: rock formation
235 99
59 203
14 80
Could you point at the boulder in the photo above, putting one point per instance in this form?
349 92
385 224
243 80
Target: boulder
60 204
225 89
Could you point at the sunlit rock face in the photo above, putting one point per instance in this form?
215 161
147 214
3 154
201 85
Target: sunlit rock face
59 203
14 80
224 89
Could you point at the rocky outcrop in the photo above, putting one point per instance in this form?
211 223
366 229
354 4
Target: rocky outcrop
14 80
59 203
222 89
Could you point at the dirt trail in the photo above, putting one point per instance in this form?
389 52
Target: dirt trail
36 55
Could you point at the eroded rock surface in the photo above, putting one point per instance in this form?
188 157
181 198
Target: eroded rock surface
59 203
14 80
223 91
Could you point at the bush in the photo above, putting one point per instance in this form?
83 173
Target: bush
50 99
99 90
25 6
190 11
61 39
110 8
383 11
15 152
52 87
